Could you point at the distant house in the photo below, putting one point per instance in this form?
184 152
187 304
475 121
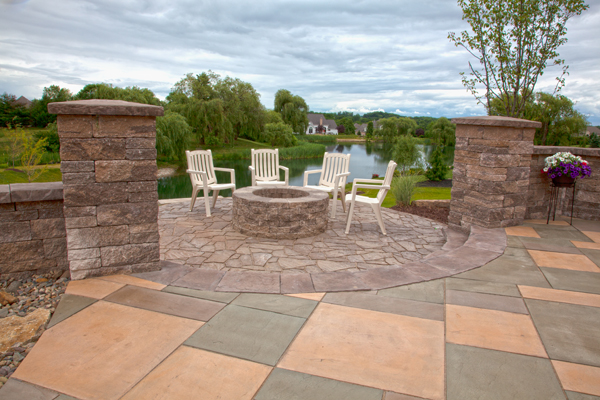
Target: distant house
360 129
23 102
318 124
592 129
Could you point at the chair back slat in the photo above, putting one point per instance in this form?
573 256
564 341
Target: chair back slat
334 164
201 160
266 164
387 181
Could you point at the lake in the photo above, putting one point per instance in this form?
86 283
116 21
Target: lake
365 160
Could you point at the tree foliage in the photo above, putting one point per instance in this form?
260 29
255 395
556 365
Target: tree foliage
513 41
31 155
293 110
278 135
348 124
173 136
370 130
442 132
39 108
437 167
109 92
218 110
12 114
394 127
406 152
560 121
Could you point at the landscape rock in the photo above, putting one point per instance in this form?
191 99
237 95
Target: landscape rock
6 298
14 330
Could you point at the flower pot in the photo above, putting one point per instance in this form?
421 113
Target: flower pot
563 181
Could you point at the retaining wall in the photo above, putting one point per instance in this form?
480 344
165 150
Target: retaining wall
32 229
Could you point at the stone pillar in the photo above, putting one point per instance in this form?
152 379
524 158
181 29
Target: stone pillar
491 171
108 155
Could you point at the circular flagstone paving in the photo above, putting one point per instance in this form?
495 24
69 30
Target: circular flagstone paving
192 239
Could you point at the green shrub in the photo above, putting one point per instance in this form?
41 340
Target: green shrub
437 169
278 135
302 150
403 189
594 140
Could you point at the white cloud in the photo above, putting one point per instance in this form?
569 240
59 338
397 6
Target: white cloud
352 56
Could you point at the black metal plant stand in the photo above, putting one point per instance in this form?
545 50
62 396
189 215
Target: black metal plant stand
554 190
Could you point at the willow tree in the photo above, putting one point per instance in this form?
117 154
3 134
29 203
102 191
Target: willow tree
293 110
218 110
442 132
393 127
513 41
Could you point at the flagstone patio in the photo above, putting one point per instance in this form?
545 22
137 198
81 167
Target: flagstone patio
523 326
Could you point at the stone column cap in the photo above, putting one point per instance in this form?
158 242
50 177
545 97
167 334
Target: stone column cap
497 121
105 107
4 194
42 191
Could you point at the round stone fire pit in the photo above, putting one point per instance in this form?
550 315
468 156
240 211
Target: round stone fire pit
280 212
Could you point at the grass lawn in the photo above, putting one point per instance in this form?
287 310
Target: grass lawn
52 174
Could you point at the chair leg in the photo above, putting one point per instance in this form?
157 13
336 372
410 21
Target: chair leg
350 212
343 199
207 203
377 211
194 195
215 195
334 206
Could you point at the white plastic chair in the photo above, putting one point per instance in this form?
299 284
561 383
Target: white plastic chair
334 174
375 203
202 175
265 168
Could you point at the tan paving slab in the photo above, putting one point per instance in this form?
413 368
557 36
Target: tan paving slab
492 329
167 303
574 262
132 280
586 245
308 296
578 378
561 296
595 236
521 231
386 351
94 288
191 373
103 350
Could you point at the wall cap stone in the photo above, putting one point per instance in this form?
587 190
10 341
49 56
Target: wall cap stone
105 107
5 194
43 191
578 151
496 121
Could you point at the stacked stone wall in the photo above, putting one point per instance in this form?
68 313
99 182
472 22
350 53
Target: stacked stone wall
32 229
587 194
492 163
109 171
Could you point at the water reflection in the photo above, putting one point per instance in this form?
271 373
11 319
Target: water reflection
366 160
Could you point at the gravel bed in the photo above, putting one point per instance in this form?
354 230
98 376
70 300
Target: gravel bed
37 291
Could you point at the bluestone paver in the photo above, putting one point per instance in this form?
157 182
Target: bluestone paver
291 385
569 332
432 291
69 305
18 390
489 301
475 373
221 297
587 282
247 333
280 304
476 286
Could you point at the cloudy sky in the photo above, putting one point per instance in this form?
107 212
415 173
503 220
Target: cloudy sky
338 55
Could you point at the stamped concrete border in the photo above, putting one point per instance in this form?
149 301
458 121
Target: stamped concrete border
457 256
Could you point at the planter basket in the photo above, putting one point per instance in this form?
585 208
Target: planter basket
563 181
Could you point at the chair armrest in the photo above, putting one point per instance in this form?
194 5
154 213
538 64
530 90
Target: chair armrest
377 187
286 171
377 181
314 171
230 170
338 177
202 174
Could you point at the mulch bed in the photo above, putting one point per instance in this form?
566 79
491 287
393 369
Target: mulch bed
435 213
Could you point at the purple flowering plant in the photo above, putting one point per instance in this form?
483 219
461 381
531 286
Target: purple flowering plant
565 163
